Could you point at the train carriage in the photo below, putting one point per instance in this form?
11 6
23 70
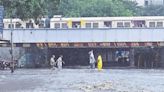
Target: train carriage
18 23
59 22
108 22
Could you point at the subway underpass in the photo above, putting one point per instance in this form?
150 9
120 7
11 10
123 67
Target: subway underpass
79 57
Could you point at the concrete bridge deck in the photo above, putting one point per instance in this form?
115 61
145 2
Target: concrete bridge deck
84 35
126 37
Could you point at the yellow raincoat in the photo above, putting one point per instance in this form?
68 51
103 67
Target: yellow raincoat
99 62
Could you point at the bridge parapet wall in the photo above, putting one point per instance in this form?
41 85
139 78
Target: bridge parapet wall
84 35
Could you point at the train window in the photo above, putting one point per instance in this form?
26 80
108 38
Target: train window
88 25
108 24
9 26
64 25
57 25
127 24
139 23
76 25
159 24
151 24
30 24
18 25
41 24
119 24
47 23
95 25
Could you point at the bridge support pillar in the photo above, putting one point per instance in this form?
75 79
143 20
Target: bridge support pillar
132 63
162 58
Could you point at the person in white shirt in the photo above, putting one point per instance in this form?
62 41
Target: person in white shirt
52 62
60 62
92 60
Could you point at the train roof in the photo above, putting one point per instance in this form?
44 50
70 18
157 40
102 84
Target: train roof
109 18
13 20
16 20
96 18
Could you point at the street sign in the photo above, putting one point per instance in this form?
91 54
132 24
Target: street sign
1 18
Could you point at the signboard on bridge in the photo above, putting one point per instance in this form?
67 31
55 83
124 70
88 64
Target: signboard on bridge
100 44
88 45
1 18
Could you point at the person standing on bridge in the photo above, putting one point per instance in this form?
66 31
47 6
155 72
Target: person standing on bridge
92 60
52 62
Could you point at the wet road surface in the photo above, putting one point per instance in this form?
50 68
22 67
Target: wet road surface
82 80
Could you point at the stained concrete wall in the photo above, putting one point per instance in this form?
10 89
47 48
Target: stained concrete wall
17 53
36 57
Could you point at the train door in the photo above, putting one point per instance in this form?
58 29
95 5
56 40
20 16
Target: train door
30 24
107 24
69 23
10 25
82 23
41 24
18 25
76 24
139 23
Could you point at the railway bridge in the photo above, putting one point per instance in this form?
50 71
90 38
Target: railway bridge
140 47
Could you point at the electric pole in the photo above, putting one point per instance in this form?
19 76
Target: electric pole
12 56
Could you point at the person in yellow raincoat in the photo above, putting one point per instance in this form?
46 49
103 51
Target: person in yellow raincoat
99 62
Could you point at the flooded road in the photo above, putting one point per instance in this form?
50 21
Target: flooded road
82 80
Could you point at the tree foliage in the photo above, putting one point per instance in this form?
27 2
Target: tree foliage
153 10
94 8
103 8
133 6
25 9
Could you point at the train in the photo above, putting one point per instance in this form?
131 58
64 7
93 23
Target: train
59 22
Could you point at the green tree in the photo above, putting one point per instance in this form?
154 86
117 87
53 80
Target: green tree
93 8
52 7
25 9
133 6
153 10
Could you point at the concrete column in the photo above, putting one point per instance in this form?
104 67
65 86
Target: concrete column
131 57
162 58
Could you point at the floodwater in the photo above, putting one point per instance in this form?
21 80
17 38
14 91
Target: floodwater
82 80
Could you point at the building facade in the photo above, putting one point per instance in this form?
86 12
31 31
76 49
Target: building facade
153 2
149 2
